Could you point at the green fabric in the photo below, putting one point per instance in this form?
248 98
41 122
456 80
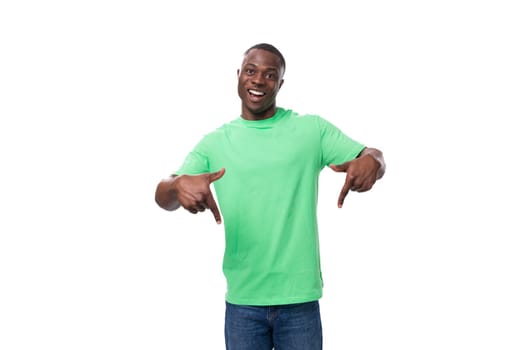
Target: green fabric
268 200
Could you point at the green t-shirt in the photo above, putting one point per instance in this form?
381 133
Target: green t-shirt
268 201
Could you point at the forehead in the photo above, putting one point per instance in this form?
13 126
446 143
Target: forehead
262 58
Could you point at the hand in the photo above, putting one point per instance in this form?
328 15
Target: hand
194 193
361 175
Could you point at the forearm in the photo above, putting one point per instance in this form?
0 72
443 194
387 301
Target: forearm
378 156
166 196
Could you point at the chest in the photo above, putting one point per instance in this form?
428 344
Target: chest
260 150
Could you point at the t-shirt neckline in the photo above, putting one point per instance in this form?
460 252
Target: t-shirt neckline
264 123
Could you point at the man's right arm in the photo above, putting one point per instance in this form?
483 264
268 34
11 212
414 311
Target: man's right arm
192 192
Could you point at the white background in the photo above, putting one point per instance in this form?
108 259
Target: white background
99 100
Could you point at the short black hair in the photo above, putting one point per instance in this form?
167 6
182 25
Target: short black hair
269 48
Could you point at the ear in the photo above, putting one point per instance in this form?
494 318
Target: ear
238 73
281 83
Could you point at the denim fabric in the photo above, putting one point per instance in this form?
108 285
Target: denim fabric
280 327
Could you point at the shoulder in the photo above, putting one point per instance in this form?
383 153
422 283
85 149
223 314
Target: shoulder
309 120
219 131
210 139
301 118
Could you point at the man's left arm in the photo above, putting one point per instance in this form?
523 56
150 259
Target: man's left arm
361 172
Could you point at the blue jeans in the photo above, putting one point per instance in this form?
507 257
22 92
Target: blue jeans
280 327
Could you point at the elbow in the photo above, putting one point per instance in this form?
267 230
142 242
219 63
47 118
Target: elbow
165 198
378 156
165 204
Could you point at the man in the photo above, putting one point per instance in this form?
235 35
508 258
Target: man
265 167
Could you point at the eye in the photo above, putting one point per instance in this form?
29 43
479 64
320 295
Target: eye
249 71
271 75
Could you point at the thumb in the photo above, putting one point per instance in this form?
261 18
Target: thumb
216 175
339 167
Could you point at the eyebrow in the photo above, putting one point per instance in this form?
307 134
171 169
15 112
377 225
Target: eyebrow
267 69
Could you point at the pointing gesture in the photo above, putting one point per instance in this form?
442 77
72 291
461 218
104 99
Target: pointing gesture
361 173
194 194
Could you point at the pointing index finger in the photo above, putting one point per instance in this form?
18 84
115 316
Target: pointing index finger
344 191
342 196
210 202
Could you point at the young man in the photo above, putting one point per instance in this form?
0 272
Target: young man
265 167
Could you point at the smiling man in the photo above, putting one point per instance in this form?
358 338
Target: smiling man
265 166
260 78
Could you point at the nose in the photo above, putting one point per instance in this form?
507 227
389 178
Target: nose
258 78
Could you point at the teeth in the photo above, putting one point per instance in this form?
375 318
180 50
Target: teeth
256 93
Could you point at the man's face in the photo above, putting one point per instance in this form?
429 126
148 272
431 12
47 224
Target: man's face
260 78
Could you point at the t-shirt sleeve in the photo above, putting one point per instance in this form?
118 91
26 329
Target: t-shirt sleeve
196 162
336 146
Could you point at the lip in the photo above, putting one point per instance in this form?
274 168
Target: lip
257 93
255 98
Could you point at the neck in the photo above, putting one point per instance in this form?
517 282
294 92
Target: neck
250 114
